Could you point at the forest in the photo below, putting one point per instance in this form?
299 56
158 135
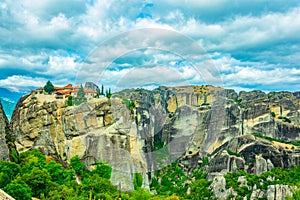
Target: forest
34 175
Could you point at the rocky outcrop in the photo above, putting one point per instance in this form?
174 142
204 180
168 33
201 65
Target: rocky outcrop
254 155
139 130
273 192
4 129
102 129
219 187
279 192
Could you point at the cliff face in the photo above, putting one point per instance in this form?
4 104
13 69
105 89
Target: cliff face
140 130
254 155
99 130
4 127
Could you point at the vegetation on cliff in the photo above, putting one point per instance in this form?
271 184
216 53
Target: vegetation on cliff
177 115
261 182
35 175
296 143
49 87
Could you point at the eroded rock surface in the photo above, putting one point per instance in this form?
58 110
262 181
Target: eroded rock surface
167 124
254 155
4 128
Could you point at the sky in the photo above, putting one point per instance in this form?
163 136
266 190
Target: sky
244 45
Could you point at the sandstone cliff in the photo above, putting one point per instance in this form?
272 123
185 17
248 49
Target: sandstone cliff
4 128
139 130
99 130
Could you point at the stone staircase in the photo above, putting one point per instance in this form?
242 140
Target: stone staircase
5 196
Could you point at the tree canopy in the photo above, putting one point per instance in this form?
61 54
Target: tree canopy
80 93
34 176
49 87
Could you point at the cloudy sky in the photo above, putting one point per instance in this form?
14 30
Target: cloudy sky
243 45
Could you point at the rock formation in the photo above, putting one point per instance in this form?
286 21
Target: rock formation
273 192
4 128
254 155
139 130
95 131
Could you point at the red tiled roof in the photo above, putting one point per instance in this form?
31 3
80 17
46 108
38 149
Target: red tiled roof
64 92
69 86
86 91
57 88
89 91
68 89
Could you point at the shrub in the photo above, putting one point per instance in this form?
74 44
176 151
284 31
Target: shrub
19 190
4 179
129 104
103 170
77 165
95 185
200 189
10 169
296 143
233 153
273 114
285 119
32 159
70 101
140 194
238 102
137 180
39 180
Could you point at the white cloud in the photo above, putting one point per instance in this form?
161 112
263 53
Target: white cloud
51 38
60 64
159 75
275 79
22 83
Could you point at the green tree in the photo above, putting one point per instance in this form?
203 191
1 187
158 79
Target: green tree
39 180
102 90
62 192
103 170
80 93
4 179
108 93
95 185
70 101
200 190
140 194
56 172
32 159
49 87
77 165
19 190
98 92
137 180
80 96
8 172
11 169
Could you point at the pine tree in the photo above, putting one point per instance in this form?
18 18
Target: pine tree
102 90
80 93
98 91
49 87
108 93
